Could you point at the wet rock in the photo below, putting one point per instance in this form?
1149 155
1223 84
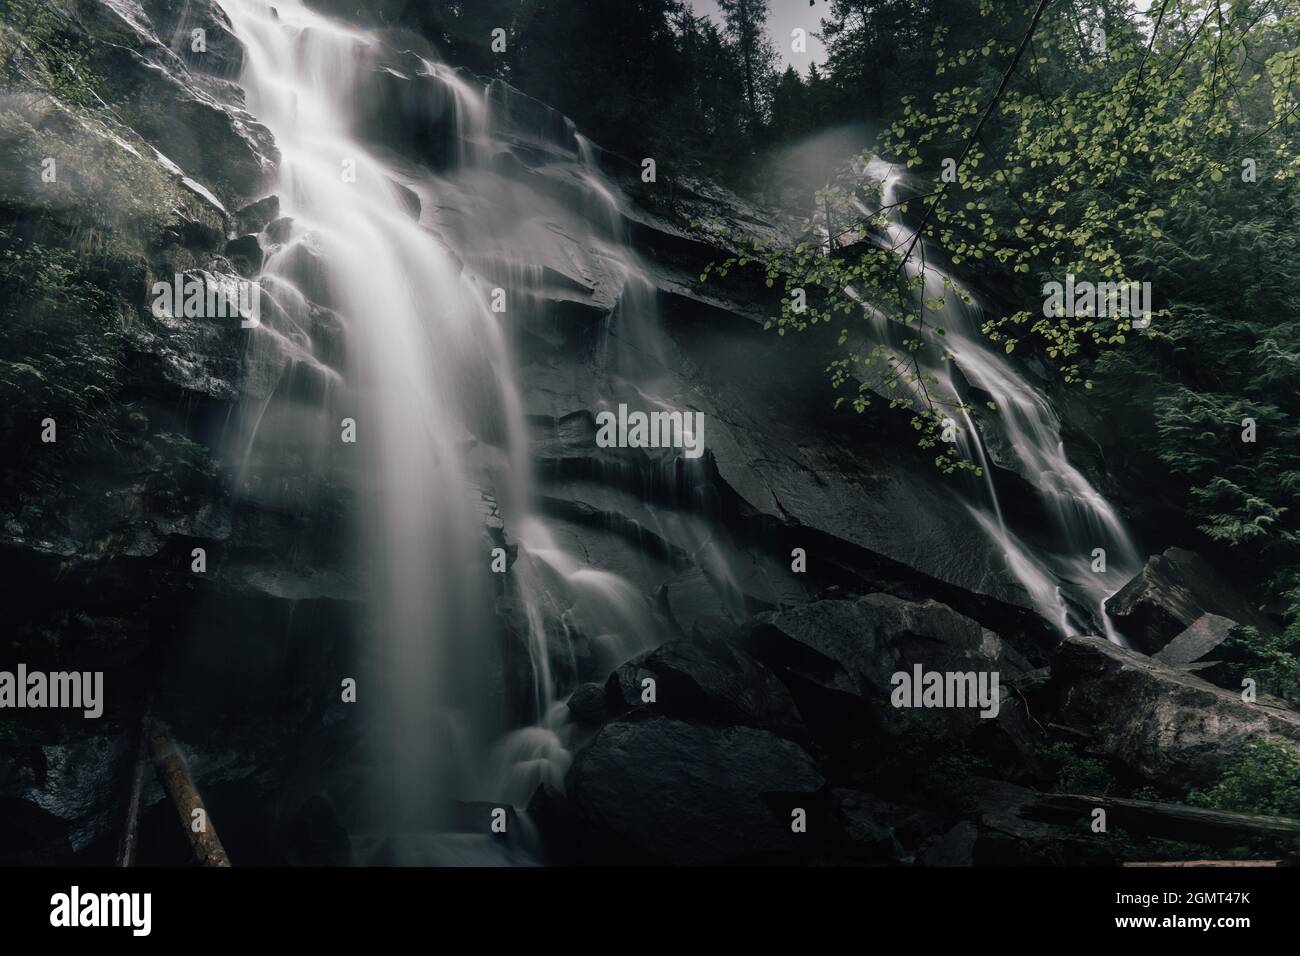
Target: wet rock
696 607
304 265
413 111
587 704
711 682
1170 594
220 53
1205 634
778 465
954 848
876 828
666 791
199 123
192 353
76 785
517 114
256 216
1164 723
198 226
279 230
245 254
839 656
407 197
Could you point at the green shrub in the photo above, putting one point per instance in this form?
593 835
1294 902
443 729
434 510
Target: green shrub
1265 778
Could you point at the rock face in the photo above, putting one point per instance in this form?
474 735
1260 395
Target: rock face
710 681
839 658
98 538
1163 723
1170 594
703 752
1205 634
669 791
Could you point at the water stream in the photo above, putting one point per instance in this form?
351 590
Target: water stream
1061 582
383 307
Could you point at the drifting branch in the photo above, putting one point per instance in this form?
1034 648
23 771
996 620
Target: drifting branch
130 838
176 780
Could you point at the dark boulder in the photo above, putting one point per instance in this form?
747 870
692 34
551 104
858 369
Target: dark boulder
1164 723
256 216
695 606
219 54
280 229
1169 594
954 848
1205 634
881 831
414 112
245 254
710 682
839 658
662 790
587 704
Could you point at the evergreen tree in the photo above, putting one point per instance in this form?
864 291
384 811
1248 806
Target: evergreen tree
746 28
608 64
791 113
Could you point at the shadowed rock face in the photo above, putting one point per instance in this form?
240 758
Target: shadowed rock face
1170 594
710 681
839 659
671 791
1164 723
1205 634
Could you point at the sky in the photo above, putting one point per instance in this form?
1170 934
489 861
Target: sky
786 15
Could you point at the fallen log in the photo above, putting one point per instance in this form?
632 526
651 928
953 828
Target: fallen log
175 777
1207 863
130 838
1170 821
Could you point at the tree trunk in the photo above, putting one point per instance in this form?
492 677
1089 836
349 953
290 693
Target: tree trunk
176 780
127 843
1209 863
1171 821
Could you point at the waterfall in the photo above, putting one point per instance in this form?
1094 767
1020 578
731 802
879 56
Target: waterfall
378 294
1060 583
423 369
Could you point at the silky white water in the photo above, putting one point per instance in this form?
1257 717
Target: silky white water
416 405
1061 583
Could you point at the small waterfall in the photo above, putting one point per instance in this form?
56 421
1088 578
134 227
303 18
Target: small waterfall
1060 583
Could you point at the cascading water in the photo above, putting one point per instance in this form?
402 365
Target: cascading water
1061 584
377 317
417 338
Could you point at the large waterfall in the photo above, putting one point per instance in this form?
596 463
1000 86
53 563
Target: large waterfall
397 291
400 382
